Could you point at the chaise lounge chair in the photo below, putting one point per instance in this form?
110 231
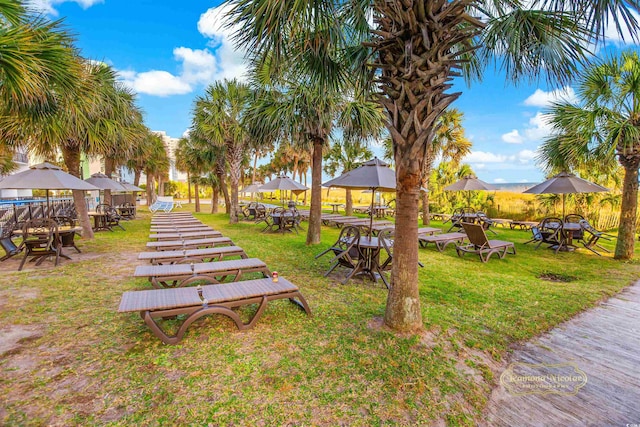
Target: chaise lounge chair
479 244
179 275
195 302
192 255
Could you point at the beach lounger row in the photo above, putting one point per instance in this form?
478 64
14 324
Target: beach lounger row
179 264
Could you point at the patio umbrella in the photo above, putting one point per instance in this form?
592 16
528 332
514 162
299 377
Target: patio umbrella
565 183
45 176
252 188
103 182
469 183
283 183
372 175
130 187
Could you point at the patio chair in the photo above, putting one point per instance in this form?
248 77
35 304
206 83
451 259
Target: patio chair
7 243
249 211
112 217
459 215
486 222
261 213
67 239
591 236
290 220
552 233
40 240
575 219
345 250
480 245
195 302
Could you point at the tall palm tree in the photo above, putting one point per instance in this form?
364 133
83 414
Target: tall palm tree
450 143
604 125
84 119
218 118
156 163
419 47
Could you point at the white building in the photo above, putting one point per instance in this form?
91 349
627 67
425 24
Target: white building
171 144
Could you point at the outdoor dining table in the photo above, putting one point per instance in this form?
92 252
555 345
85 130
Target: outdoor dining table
62 231
369 264
277 220
100 222
335 207
566 239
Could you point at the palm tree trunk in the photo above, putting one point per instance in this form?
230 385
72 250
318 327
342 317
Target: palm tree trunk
108 170
71 156
151 194
403 303
189 186
215 199
315 212
629 208
348 210
197 190
235 165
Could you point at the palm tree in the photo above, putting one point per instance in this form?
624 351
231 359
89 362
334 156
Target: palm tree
604 125
218 118
198 157
156 163
85 119
450 143
37 56
419 47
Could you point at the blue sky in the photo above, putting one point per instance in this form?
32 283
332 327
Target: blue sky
169 51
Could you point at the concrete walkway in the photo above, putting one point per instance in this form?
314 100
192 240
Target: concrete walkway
601 344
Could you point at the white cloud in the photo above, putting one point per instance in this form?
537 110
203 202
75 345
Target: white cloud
47 6
499 180
538 128
612 35
155 82
198 66
543 99
513 137
480 159
215 25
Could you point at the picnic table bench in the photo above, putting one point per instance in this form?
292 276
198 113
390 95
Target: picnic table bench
179 275
195 302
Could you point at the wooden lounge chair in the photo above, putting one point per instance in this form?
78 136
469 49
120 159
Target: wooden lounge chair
195 302
479 244
178 275
441 240
179 228
192 255
187 235
210 242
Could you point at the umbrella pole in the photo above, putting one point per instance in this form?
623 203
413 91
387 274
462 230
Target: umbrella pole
48 207
373 196
563 196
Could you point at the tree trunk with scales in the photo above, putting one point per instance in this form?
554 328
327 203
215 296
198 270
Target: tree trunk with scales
71 156
315 213
414 43
629 208
234 159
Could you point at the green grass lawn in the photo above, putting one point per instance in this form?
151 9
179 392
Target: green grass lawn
82 363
